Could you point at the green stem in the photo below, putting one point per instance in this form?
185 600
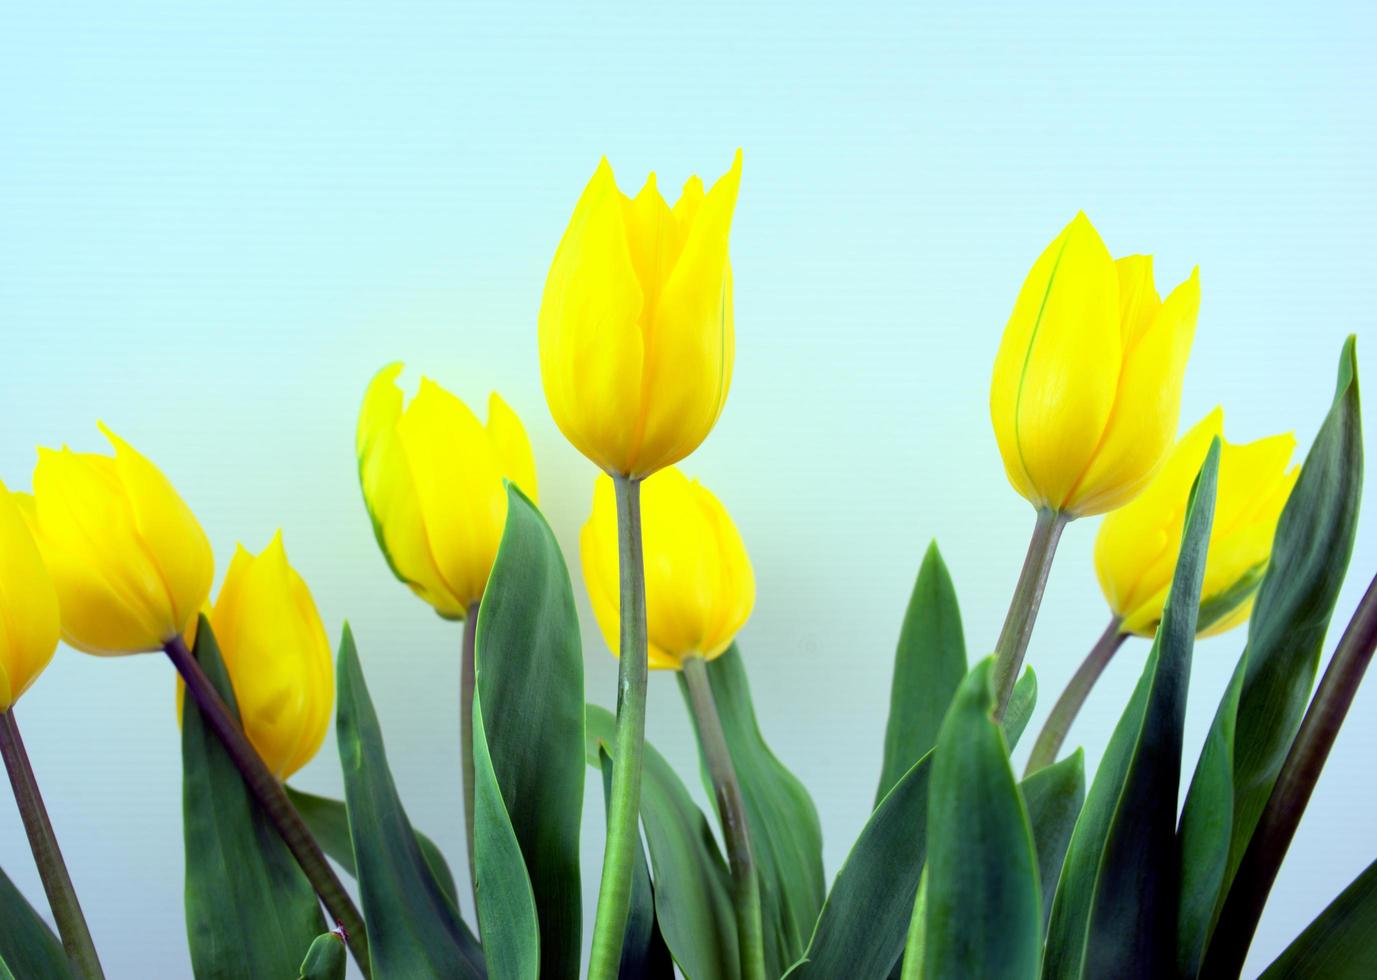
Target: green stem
1069 705
273 799
1257 871
466 682
731 809
1023 608
623 809
62 897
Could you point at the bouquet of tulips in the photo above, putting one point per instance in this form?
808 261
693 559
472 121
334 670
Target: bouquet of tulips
963 869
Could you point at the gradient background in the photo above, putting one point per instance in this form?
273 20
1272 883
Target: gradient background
219 221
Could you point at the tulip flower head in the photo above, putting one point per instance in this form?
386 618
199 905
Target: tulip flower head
29 620
130 562
699 585
432 478
277 655
1137 546
1087 382
636 337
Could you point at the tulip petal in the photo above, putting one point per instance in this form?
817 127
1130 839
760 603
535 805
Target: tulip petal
451 459
1143 424
1138 299
1058 366
737 597
690 341
29 617
390 495
513 448
590 338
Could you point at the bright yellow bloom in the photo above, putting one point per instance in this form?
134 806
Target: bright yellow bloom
636 338
1087 381
432 478
131 564
277 655
1135 552
29 621
699 585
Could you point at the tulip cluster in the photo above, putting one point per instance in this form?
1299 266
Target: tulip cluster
961 870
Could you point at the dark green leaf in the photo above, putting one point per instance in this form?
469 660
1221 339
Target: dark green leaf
325 960
250 910
414 928
1339 944
984 905
644 953
692 886
1115 908
1020 709
928 665
1310 553
1054 796
328 821
27 946
785 833
529 668
861 931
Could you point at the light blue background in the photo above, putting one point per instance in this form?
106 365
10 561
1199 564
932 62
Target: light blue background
219 220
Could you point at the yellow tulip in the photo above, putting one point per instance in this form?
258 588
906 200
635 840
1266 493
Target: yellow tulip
1087 382
130 563
29 620
699 585
1137 546
277 656
636 338
432 479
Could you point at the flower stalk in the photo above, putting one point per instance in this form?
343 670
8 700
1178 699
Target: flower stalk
623 812
731 809
1023 608
1072 699
57 882
272 797
467 678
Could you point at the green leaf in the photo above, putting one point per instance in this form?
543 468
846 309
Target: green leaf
27 946
1255 725
928 665
529 669
863 925
692 886
414 928
1115 908
1338 945
328 821
250 910
984 905
785 833
325 960
1054 796
1020 709
644 953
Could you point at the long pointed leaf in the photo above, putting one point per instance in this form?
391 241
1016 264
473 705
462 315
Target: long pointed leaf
1054 796
1338 945
692 886
785 833
529 667
250 910
928 666
27 946
414 928
984 905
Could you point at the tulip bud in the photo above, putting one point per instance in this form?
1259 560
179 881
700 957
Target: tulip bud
432 479
28 605
277 655
1135 552
699 585
130 563
636 338
1087 381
